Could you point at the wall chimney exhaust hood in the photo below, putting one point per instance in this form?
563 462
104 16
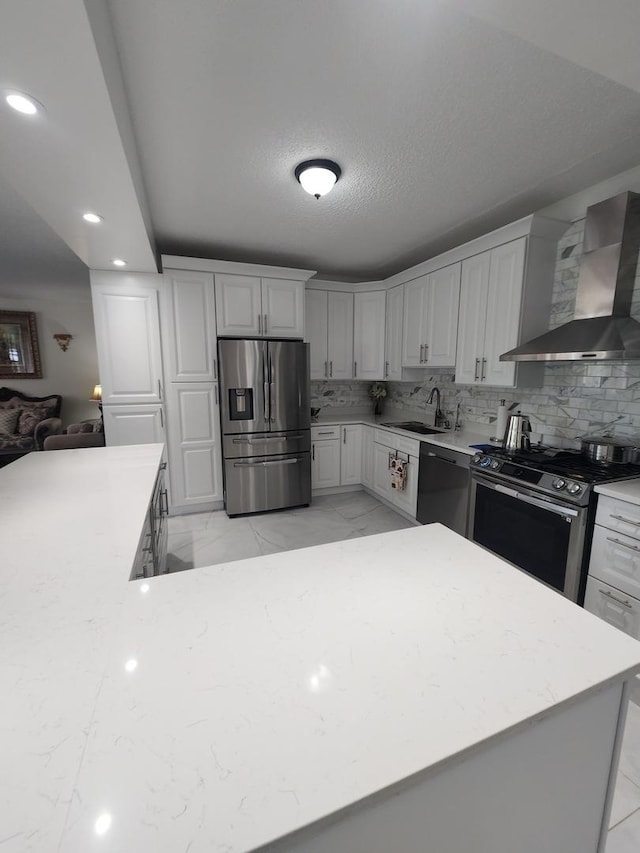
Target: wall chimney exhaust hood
602 328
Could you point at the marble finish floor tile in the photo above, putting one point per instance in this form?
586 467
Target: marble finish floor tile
625 837
204 539
626 800
630 754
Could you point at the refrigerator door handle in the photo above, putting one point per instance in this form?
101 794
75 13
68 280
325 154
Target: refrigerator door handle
265 385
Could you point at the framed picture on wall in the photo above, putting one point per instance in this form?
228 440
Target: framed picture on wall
19 353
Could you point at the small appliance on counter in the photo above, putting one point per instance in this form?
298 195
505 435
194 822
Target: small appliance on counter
516 434
265 417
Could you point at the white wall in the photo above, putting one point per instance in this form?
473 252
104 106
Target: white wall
72 373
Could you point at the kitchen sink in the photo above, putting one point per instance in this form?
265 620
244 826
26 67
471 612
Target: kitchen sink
413 426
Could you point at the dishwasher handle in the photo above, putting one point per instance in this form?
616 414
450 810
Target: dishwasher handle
441 458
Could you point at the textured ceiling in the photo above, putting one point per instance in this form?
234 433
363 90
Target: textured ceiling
444 125
181 121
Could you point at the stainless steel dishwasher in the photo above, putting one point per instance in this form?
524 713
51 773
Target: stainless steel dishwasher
443 487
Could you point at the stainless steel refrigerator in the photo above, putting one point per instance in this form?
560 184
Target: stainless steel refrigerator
266 424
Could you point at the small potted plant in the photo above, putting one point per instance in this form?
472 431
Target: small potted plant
378 391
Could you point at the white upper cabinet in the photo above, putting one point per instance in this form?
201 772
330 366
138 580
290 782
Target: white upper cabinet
490 312
190 323
329 332
239 305
503 311
316 328
340 335
250 306
443 298
393 333
431 318
368 335
282 308
473 317
126 315
415 322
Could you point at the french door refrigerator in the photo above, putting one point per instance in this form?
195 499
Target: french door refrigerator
266 424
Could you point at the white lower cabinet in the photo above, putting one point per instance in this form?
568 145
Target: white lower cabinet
325 464
615 607
194 444
406 500
351 455
613 583
133 425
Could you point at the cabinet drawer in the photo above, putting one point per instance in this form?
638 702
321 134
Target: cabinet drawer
618 515
620 610
400 443
324 433
615 558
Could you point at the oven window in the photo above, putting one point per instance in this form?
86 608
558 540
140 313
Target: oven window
532 538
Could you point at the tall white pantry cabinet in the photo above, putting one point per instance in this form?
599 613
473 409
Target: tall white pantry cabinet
126 316
193 392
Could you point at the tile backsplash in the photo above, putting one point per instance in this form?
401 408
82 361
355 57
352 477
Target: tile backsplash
575 398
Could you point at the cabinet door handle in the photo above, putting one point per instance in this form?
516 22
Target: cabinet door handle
215 367
159 390
259 324
626 520
330 368
475 375
326 368
325 432
217 396
624 544
344 435
483 375
426 351
161 419
626 603
355 369
313 451
421 353
386 369
265 324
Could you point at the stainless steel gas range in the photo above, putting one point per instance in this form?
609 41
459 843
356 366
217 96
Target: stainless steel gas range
536 508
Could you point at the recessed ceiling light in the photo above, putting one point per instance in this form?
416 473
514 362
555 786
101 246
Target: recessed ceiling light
91 217
318 177
24 104
118 262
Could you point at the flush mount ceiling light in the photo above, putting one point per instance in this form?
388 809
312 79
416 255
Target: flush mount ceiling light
317 177
118 262
22 103
91 217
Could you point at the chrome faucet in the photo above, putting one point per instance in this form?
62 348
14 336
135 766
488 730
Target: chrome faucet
457 426
439 415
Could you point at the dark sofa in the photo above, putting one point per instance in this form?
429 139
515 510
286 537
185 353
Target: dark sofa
25 422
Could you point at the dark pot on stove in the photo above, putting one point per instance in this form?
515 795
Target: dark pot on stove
607 450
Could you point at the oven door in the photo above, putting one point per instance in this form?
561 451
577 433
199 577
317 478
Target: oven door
545 537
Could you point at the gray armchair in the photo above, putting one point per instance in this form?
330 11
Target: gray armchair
85 434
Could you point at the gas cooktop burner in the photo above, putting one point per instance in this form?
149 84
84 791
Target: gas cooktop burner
570 464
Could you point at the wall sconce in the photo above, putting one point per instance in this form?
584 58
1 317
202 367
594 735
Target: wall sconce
63 341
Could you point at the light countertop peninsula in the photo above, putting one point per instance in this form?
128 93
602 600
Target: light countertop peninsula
223 708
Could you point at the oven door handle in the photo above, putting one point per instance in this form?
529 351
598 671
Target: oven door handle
529 499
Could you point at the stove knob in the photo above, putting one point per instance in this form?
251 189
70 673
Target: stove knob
486 462
559 483
495 464
574 488
476 458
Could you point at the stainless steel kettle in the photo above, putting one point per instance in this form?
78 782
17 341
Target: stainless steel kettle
516 434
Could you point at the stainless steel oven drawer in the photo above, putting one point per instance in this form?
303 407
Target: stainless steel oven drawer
263 483
266 444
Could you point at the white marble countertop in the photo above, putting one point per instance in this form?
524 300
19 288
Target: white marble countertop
626 490
221 708
461 440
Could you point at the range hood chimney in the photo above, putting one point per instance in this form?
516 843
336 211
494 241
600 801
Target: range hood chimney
602 328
